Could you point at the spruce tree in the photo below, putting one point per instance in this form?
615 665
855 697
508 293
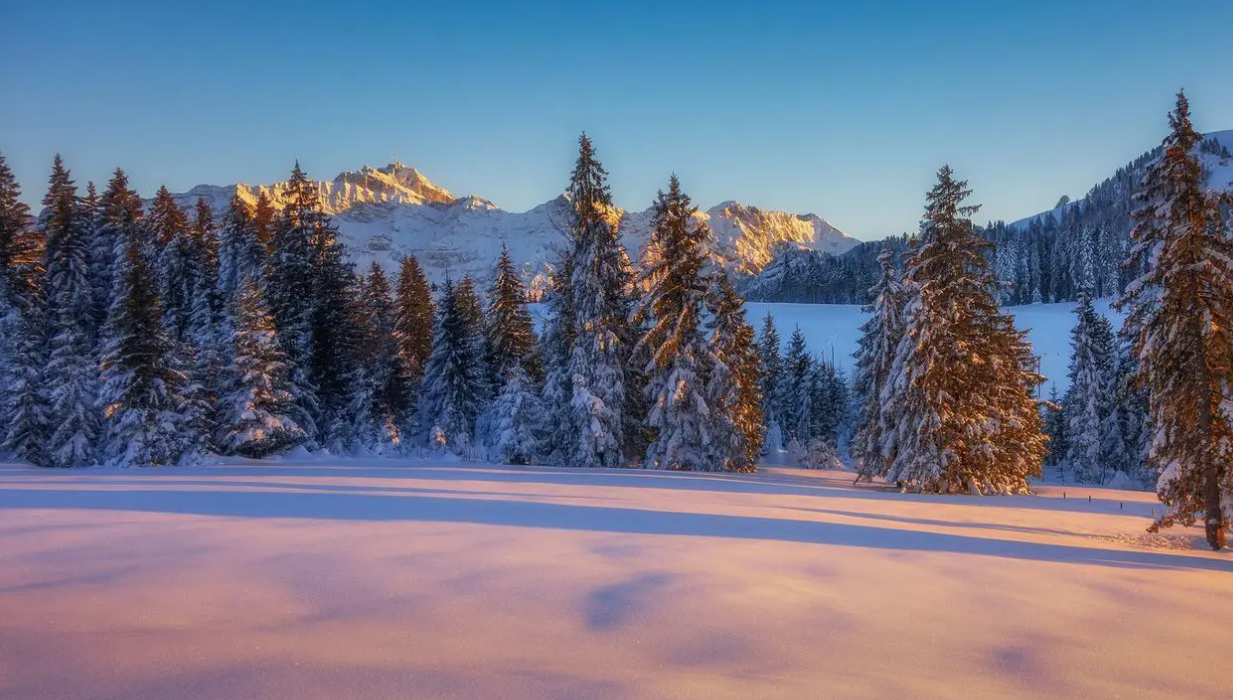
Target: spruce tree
511 333
27 422
1089 401
518 417
260 413
734 387
453 385
413 330
557 345
601 307
14 219
770 354
1054 422
389 394
142 395
241 254
71 376
1181 319
680 358
796 390
959 406
121 215
875 357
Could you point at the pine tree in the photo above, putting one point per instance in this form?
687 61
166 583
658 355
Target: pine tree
142 395
169 249
27 423
389 394
204 346
121 215
70 375
734 387
453 385
261 416
310 292
1181 319
1089 402
1132 413
557 347
413 330
511 333
518 416
875 357
680 357
769 351
1054 422
796 389
14 219
601 306
241 254
960 397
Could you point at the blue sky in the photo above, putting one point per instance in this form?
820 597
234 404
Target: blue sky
843 111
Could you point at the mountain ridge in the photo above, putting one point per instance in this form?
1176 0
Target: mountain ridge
388 212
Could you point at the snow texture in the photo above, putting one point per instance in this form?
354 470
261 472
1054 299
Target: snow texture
307 580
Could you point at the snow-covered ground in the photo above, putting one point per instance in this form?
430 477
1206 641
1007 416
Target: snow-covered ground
835 329
412 579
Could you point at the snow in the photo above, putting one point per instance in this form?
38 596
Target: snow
835 328
306 579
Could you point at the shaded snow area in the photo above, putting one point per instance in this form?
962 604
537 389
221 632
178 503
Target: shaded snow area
835 328
387 579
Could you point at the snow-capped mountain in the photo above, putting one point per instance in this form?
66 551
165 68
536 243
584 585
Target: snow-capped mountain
385 213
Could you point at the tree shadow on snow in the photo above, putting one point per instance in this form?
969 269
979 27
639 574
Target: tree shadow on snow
419 508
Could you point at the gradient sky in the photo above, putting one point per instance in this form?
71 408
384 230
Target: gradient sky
842 111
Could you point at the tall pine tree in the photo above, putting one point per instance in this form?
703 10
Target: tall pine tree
875 357
680 357
1181 319
960 397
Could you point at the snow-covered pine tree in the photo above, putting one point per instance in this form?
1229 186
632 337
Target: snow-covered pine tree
24 421
453 384
1181 319
14 219
23 403
241 254
169 249
959 407
1054 422
1131 409
680 419
206 348
601 305
829 398
796 388
142 394
734 387
1089 402
71 376
875 357
389 395
511 333
771 357
260 415
557 345
518 415
121 215
413 330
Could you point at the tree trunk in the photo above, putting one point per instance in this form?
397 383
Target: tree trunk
1213 515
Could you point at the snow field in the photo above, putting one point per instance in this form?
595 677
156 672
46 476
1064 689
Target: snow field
418 579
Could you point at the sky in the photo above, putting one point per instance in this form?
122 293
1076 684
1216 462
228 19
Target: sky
845 110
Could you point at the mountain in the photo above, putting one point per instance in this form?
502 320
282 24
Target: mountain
1040 258
385 213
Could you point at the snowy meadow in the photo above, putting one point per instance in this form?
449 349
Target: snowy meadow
380 578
